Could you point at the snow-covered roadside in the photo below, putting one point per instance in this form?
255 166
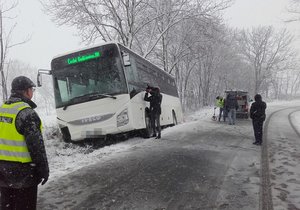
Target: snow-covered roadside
284 160
65 158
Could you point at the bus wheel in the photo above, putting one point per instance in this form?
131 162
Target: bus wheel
66 134
174 118
147 132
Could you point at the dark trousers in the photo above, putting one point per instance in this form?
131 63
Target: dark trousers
155 123
222 113
18 199
258 130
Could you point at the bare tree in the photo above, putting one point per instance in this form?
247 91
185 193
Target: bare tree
206 62
296 83
119 20
294 10
6 43
266 51
106 20
143 22
177 21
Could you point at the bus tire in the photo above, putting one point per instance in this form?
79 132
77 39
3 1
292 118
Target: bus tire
174 118
66 134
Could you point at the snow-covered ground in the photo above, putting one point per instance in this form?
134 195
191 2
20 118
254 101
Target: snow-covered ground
65 158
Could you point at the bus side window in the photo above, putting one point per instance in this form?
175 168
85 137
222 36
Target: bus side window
132 77
131 72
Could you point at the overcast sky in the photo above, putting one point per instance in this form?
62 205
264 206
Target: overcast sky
48 40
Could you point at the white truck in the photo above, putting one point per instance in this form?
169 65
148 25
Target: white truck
243 100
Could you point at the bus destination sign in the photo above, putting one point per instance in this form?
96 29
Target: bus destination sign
83 58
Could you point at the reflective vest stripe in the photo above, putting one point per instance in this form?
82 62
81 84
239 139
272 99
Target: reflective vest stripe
13 159
13 154
12 144
11 136
9 110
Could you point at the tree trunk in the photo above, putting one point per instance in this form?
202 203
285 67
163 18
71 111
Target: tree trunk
2 48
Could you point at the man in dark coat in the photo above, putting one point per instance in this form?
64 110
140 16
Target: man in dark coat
231 105
23 160
258 116
155 109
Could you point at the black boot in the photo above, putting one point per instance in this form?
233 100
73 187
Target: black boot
158 136
154 135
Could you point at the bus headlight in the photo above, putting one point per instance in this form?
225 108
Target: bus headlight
122 118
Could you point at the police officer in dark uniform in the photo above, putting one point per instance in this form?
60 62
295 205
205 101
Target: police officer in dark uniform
23 160
258 116
155 108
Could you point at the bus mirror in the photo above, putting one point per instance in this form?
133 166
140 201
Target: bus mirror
39 80
126 59
39 76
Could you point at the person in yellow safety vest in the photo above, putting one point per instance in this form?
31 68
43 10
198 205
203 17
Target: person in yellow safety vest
23 160
221 104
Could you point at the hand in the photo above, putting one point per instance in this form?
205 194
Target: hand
44 180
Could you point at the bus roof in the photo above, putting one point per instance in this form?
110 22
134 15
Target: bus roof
83 48
105 43
148 61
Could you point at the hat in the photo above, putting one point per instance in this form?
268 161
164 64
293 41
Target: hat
257 97
21 83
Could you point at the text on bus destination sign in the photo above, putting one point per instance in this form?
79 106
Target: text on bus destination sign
83 58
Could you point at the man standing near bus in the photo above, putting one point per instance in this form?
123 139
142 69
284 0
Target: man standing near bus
23 160
155 108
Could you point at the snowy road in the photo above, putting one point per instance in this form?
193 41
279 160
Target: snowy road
210 165
200 164
284 146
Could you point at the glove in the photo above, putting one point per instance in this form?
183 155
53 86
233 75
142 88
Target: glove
44 177
44 180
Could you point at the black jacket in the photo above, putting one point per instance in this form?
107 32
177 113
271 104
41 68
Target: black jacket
258 111
231 102
155 102
22 175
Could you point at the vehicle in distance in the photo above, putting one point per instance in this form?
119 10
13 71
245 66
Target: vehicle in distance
243 100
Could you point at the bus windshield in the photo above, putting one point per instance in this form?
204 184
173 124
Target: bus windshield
94 72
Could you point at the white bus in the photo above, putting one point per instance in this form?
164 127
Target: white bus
100 90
